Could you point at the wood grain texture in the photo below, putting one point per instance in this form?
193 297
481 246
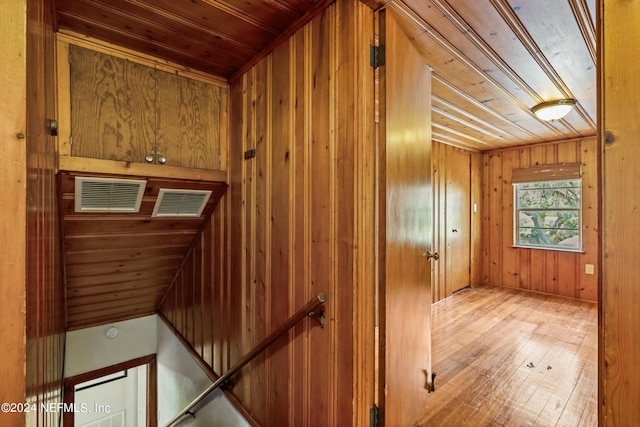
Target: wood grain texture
45 310
124 110
492 59
553 272
620 327
405 229
120 266
510 357
489 57
13 175
288 229
216 37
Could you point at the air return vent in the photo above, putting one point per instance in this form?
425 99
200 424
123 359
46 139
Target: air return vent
108 195
184 203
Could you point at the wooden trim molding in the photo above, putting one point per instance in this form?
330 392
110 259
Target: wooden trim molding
152 386
83 164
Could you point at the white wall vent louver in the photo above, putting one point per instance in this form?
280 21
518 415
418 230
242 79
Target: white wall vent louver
180 203
108 194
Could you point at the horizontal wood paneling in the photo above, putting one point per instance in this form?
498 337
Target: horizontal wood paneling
553 272
120 265
287 228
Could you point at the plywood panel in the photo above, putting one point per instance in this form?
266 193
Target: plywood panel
112 106
287 229
123 110
188 121
553 272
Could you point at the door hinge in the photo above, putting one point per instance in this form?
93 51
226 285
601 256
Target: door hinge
376 56
376 417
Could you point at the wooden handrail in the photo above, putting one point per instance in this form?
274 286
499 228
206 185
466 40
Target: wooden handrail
303 312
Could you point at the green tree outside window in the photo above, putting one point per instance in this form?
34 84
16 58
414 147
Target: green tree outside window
548 214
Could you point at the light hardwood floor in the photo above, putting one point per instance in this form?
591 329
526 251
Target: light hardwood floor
505 357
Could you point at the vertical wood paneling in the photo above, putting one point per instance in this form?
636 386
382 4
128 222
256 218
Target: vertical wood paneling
321 214
619 86
299 233
206 274
552 272
510 258
40 378
494 210
290 220
278 156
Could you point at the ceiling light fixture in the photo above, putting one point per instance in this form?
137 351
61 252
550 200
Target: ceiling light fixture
553 110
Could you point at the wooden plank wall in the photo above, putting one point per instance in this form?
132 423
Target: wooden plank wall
32 315
45 287
452 164
297 220
619 393
552 272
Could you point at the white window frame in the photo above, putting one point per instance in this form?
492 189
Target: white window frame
540 175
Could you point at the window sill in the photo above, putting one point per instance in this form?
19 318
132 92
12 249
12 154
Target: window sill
575 251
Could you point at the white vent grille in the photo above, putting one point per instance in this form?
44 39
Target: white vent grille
108 195
180 203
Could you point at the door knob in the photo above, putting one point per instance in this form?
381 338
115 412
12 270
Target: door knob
429 256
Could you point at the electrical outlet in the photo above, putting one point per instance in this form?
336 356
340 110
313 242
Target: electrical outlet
588 268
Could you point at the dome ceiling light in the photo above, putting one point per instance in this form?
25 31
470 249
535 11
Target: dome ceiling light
553 110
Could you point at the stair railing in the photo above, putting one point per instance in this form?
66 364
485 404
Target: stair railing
309 309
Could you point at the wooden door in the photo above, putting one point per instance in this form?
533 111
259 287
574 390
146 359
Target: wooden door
404 228
457 220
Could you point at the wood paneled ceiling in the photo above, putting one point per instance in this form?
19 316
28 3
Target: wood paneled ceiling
119 265
492 60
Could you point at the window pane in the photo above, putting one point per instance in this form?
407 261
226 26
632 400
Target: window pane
548 214
575 183
549 219
569 239
549 198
